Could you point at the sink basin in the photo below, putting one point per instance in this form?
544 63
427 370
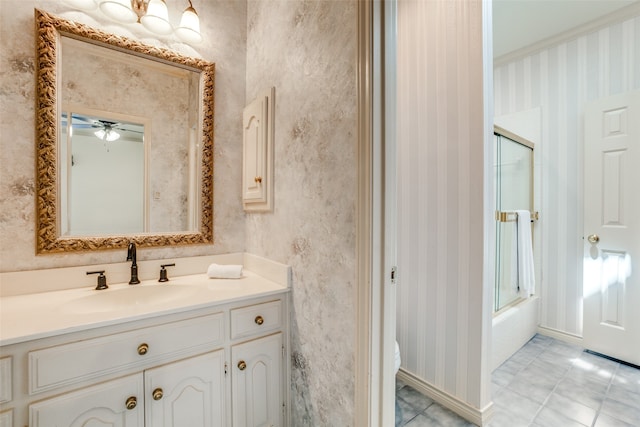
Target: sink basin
128 298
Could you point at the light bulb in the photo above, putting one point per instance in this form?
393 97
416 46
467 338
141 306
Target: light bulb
82 4
119 10
189 29
112 135
100 133
156 19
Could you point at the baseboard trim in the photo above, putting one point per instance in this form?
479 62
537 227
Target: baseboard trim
480 417
560 335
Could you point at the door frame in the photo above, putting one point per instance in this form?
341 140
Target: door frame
376 210
376 214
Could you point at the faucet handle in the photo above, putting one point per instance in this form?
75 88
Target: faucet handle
163 272
102 279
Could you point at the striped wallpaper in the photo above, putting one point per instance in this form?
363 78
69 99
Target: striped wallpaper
440 176
440 196
559 80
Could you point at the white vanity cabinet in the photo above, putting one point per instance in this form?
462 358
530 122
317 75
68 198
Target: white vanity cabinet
189 392
257 382
6 388
6 418
257 365
177 369
114 403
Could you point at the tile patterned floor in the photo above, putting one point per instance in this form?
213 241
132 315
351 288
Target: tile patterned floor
414 409
547 383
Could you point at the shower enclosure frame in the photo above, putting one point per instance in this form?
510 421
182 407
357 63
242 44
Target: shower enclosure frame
504 216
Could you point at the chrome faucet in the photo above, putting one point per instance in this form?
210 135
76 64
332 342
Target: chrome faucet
131 256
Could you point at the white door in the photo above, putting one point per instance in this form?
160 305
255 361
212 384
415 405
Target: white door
189 392
612 227
256 382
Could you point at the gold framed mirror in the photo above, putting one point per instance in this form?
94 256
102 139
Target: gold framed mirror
55 115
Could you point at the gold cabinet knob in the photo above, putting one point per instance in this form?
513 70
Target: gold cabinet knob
131 403
242 365
593 238
143 349
157 394
258 179
259 320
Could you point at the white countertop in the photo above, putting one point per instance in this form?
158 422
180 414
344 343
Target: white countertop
45 314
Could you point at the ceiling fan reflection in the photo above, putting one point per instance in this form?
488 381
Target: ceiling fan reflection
106 130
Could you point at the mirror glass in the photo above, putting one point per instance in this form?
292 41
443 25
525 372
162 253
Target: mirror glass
126 91
125 137
102 176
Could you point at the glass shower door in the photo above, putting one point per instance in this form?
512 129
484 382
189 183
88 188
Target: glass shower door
513 191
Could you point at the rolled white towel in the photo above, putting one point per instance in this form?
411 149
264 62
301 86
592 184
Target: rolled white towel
224 271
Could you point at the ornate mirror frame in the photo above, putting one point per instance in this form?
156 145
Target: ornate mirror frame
48 32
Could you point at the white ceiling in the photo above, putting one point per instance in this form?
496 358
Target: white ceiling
521 23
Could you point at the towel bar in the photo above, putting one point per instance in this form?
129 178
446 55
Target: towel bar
507 216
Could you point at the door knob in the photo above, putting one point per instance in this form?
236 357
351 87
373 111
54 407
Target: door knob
593 238
157 394
143 349
131 403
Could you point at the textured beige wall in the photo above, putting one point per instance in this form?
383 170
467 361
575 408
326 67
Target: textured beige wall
224 29
307 50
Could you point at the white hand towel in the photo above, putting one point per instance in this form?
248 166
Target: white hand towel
224 271
513 260
526 273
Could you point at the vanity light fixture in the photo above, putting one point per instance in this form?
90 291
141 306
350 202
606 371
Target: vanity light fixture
152 14
189 28
156 19
119 10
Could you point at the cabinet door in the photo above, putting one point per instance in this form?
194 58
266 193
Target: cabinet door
257 382
258 121
189 392
255 151
6 418
101 405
